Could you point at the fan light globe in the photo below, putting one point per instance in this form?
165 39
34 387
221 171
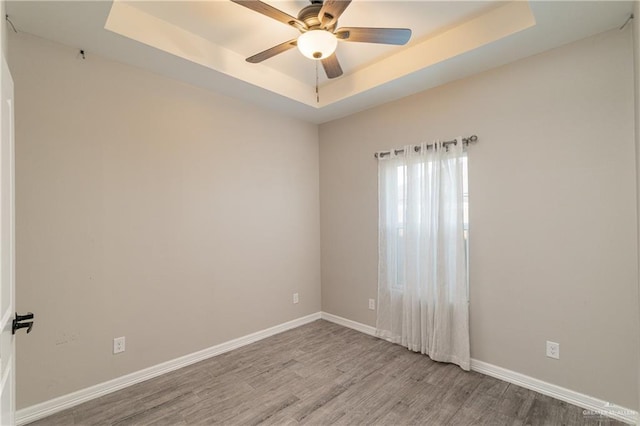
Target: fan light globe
317 44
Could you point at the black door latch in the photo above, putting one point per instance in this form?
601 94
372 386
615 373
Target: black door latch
18 324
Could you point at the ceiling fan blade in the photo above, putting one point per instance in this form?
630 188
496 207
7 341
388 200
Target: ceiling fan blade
283 47
397 36
332 67
272 12
331 11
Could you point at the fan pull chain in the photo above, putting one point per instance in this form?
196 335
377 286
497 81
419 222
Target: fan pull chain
317 91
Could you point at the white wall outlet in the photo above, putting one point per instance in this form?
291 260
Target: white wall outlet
372 304
118 345
296 299
553 350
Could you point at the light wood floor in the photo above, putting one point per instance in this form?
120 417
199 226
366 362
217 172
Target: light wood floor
322 374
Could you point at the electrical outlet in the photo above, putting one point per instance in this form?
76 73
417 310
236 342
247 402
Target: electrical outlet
372 304
553 350
118 345
296 299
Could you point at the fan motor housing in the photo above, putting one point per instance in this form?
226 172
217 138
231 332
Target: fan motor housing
309 15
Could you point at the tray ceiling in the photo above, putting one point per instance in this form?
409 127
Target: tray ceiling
206 42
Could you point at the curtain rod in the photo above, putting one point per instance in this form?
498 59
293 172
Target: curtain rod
465 141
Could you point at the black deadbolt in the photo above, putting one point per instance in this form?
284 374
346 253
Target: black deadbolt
18 322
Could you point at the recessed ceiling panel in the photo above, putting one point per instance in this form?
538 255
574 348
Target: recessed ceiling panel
220 35
246 32
205 43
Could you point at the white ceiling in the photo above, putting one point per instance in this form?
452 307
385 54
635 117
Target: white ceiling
205 42
246 32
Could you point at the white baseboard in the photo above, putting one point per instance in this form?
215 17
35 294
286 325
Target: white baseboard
47 408
366 329
594 405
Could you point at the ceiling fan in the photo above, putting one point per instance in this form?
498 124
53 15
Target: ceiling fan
317 22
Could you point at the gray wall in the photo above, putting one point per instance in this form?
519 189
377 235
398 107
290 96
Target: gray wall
636 54
553 226
144 204
150 209
4 41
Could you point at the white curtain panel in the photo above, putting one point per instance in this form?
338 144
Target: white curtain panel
422 265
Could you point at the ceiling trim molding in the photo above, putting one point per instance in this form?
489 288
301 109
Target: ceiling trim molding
497 23
493 37
142 27
487 28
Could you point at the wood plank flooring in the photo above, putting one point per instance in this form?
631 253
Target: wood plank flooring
322 374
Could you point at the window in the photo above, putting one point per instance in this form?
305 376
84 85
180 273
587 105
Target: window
400 225
422 265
